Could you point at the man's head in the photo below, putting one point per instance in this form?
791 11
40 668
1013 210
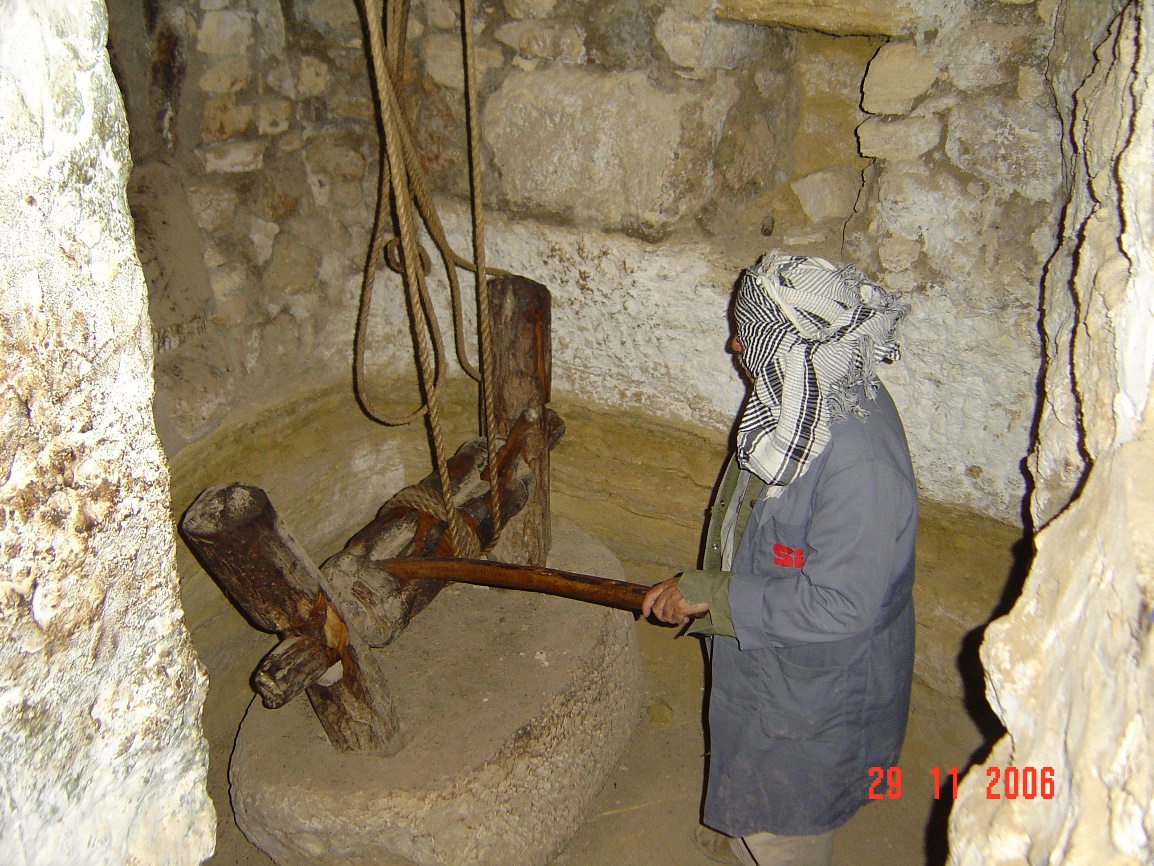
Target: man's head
809 333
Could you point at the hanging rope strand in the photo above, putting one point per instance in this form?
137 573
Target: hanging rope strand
385 77
383 224
423 320
397 32
484 312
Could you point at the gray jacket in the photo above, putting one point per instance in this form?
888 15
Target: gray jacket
812 654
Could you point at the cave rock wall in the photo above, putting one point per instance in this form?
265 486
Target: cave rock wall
924 146
1069 670
102 760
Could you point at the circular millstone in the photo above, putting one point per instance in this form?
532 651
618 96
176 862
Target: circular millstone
515 708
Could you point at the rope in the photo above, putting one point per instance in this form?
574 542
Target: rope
431 502
419 306
407 182
484 312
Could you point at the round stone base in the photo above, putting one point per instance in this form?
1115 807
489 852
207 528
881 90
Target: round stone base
515 708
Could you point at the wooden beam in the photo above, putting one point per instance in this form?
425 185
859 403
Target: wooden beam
521 312
239 539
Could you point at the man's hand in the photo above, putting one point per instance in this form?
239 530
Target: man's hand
665 601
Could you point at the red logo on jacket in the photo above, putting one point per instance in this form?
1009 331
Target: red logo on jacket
788 557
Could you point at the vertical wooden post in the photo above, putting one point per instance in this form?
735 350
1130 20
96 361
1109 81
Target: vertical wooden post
521 312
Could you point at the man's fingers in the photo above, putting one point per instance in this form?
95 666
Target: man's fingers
654 599
665 602
651 597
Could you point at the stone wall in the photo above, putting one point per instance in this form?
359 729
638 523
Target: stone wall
1069 669
101 752
644 152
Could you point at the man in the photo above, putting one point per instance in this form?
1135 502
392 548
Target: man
806 585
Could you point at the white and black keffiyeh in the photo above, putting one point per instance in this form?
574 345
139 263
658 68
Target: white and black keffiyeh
810 333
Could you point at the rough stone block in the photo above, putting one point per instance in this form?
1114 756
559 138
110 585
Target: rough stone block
702 43
271 36
232 157
982 55
647 163
897 76
228 76
224 32
444 60
213 206
273 115
529 8
840 18
337 19
276 194
444 14
293 267
548 42
828 194
906 138
515 706
312 77
1011 144
828 67
224 119
261 234
336 156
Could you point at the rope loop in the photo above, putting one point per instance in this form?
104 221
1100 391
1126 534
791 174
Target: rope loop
394 257
432 503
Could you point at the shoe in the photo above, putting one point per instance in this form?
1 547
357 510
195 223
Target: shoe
714 845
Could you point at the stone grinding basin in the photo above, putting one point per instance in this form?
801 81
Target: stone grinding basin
515 706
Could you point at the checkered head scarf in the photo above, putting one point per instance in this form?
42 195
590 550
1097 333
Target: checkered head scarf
810 333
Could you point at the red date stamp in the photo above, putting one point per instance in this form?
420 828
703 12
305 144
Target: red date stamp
1005 783
1024 782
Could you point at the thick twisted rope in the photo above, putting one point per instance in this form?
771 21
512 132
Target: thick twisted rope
421 310
484 312
424 499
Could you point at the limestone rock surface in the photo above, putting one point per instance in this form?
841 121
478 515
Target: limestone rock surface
829 193
839 17
102 755
1070 670
546 42
904 138
1008 143
897 76
701 42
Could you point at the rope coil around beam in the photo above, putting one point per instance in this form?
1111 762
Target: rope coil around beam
430 502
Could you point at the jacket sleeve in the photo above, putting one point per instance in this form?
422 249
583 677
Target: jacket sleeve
712 587
850 548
